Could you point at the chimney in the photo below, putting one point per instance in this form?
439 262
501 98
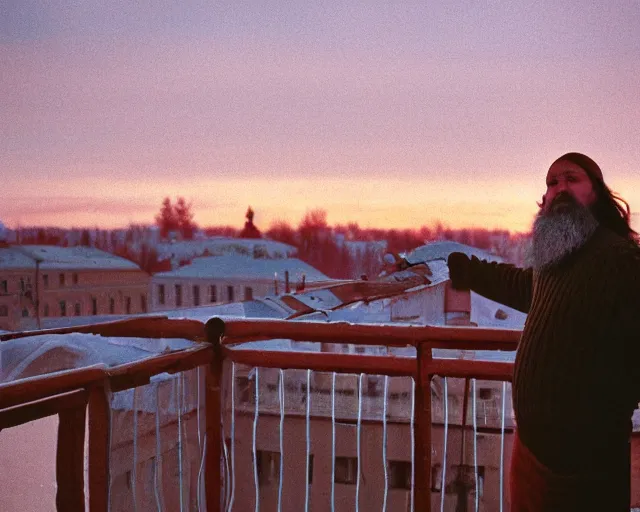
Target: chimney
457 306
286 282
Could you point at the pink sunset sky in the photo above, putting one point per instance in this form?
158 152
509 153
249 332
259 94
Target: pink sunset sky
390 114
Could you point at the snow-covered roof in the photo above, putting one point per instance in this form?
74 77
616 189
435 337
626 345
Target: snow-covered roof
441 250
11 259
63 258
224 245
243 267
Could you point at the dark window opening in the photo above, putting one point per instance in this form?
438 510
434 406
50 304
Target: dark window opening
346 470
268 467
400 474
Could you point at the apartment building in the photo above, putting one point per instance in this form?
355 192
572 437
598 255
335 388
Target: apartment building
40 282
229 278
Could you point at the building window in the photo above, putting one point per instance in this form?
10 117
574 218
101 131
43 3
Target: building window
161 294
230 296
143 303
63 308
4 289
4 310
248 293
45 281
399 474
127 305
22 285
74 278
213 294
346 470
268 466
61 279
178 295
436 478
94 306
25 313
246 390
485 393
196 295
465 475
76 309
46 310
480 481
112 306
310 468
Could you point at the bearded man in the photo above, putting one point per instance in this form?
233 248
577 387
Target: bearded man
576 376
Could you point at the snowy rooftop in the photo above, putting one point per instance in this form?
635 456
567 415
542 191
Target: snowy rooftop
225 245
63 258
244 267
11 259
441 250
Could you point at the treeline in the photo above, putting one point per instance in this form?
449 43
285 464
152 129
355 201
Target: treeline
349 251
341 251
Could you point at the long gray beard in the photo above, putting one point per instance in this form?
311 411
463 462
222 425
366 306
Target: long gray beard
557 233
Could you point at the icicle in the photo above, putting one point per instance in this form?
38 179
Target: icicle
444 449
384 443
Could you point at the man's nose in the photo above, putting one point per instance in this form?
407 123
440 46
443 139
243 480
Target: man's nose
562 186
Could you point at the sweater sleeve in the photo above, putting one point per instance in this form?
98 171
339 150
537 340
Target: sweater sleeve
628 314
503 283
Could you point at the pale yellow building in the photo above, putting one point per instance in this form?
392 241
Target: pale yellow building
38 283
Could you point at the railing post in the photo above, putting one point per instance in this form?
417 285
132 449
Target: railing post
70 459
99 446
214 330
422 455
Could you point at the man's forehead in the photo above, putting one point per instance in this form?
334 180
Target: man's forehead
565 168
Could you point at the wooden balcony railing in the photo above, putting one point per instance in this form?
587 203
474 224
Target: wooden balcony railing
69 393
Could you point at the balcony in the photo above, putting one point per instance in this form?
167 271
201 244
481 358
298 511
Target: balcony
274 415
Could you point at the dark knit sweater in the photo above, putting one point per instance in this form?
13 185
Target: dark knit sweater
577 371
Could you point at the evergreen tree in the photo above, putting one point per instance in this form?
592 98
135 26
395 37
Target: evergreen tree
184 217
167 220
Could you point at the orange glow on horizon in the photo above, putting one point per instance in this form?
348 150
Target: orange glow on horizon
375 203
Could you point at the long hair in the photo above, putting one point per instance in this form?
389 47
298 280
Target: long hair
609 209
612 211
